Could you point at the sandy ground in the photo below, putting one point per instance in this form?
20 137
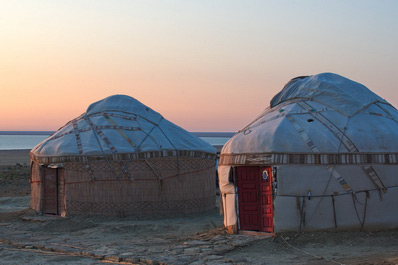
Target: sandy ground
13 157
27 238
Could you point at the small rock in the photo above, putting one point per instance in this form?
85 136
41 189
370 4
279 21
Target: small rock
205 246
206 251
87 254
199 262
99 255
176 252
195 243
194 250
239 243
180 247
149 261
221 242
132 260
223 248
126 254
212 257
112 258
217 262
156 251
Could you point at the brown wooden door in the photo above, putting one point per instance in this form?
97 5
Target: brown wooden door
255 198
50 193
61 190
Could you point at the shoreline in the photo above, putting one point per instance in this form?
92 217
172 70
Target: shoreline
12 150
49 133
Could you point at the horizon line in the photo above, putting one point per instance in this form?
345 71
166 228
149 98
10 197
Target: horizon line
199 134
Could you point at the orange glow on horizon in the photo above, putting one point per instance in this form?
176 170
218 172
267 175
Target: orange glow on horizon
203 66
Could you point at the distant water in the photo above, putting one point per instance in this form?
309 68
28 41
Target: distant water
216 140
12 140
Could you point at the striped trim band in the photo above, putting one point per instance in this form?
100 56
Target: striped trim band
309 159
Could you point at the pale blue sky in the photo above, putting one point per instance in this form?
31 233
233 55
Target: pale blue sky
205 65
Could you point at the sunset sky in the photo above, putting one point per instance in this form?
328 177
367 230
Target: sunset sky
204 65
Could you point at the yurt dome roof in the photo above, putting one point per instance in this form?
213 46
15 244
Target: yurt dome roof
321 113
332 90
115 125
124 104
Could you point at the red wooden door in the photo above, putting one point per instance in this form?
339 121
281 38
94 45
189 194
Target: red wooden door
255 198
249 203
267 213
50 202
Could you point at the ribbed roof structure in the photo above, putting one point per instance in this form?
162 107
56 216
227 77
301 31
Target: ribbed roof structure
118 124
321 113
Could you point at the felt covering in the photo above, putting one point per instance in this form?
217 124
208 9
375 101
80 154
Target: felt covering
118 124
328 135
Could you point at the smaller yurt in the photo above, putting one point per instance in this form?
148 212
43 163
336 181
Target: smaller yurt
322 156
122 158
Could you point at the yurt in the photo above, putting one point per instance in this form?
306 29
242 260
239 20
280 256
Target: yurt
122 158
322 156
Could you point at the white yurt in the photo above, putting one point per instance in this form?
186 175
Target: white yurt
122 158
322 156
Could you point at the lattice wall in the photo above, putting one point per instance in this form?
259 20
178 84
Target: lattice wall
140 187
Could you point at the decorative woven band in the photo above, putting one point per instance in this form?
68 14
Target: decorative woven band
123 157
309 158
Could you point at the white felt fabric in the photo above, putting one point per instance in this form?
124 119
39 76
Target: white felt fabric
146 129
373 128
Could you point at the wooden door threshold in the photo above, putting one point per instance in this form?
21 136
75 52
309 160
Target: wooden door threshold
255 233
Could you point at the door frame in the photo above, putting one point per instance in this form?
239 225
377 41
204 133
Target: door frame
259 196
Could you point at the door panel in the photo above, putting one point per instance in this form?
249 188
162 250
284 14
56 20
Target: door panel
61 191
249 204
50 202
255 199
